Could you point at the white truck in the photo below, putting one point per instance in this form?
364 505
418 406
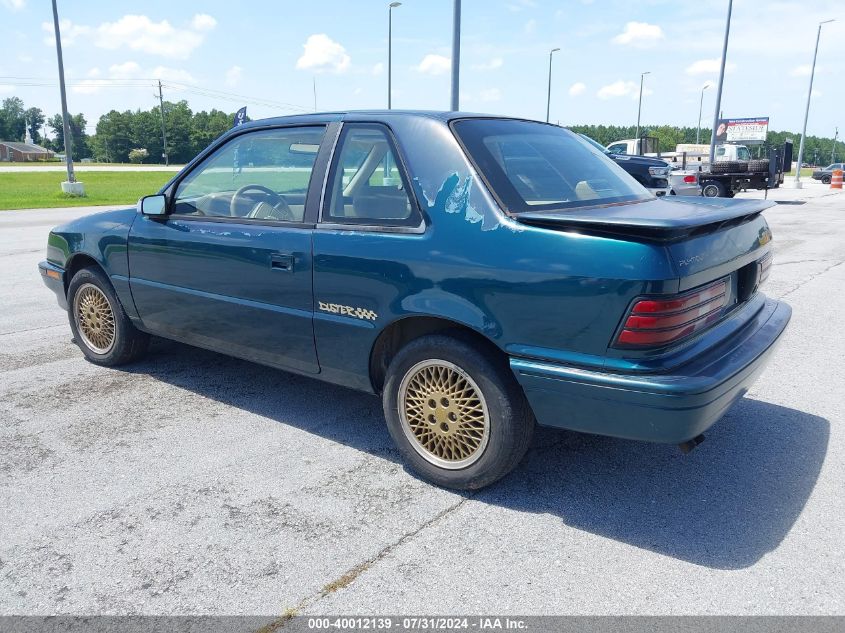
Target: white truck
696 155
732 170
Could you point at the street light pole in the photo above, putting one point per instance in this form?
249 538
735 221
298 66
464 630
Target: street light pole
639 111
833 149
390 8
456 55
549 95
700 106
721 81
71 177
807 109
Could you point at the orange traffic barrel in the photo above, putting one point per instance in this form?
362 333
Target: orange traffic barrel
836 179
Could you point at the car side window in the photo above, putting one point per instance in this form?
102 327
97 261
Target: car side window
618 148
367 184
260 175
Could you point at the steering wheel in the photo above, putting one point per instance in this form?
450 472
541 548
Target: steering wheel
276 200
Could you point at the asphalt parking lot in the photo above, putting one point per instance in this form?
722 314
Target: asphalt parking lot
195 483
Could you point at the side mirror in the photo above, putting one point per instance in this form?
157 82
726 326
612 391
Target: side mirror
153 205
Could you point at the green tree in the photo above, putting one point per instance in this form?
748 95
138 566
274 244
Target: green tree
12 125
77 124
35 120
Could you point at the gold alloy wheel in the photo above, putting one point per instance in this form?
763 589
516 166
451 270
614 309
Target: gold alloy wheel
444 414
94 318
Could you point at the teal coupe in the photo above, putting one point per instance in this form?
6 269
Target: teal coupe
483 274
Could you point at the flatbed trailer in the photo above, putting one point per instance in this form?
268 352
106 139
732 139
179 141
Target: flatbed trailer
726 182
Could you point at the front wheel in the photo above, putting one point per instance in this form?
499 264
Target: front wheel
100 326
456 412
826 180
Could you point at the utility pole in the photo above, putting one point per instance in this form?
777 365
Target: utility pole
163 133
721 81
833 149
807 110
72 187
549 93
640 109
390 8
700 106
456 55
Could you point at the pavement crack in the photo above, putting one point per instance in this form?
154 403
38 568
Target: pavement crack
32 329
348 577
811 278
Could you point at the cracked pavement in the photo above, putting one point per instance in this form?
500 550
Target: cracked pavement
191 483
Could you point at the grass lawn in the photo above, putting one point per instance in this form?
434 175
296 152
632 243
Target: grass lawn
33 190
805 171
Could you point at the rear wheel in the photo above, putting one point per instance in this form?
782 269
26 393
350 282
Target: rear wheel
714 189
100 326
826 180
456 412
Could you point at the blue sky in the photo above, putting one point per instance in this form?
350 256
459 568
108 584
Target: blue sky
271 52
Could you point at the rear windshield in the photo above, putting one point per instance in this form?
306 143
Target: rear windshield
538 167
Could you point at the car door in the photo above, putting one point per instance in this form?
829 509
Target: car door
229 267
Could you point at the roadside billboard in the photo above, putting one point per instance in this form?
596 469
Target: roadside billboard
742 130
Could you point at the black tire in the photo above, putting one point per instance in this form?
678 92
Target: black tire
509 420
125 342
826 180
724 167
713 189
760 166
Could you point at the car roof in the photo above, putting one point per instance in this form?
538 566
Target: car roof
382 115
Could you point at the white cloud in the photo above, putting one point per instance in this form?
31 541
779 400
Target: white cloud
491 94
172 74
70 32
577 89
434 65
529 27
6 88
139 33
233 76
493 64
377 69
131 72
817 93
14 5
203 22
323 54
641 34
804 70
90 85
708 66
126 70
622 89
24 59
519 5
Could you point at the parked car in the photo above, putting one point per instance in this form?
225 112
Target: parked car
482 274
826 174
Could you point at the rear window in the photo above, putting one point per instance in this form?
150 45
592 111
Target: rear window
537 167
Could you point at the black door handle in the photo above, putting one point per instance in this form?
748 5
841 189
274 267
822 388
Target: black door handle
279 261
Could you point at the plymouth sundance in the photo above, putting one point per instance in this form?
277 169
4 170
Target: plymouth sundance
480 273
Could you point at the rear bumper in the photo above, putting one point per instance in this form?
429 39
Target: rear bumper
672 407
54 278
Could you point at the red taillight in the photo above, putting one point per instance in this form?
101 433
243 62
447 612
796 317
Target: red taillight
654 322
690 179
